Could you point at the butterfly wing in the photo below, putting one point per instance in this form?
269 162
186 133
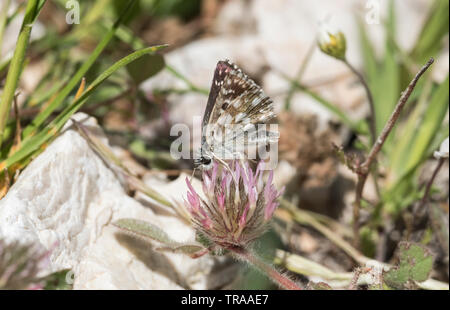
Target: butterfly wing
235 102
236 99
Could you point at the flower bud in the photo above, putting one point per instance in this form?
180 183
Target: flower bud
331 41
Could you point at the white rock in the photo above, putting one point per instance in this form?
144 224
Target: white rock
66 200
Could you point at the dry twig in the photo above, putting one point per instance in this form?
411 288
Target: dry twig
363 169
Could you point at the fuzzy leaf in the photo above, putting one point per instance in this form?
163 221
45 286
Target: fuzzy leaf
192 250
148 230
415 263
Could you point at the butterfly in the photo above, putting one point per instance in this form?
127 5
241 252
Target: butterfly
235 109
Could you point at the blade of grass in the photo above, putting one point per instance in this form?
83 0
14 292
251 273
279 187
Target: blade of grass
127 36
15 68
388 88
427 137
427 130
73 82
301 71
407 133
329 106
3 17
370 64
433 31
189 84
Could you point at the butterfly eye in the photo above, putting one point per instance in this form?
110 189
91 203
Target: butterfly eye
206 160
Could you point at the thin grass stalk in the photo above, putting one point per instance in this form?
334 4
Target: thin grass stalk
15 68
3 17
73 82
32 143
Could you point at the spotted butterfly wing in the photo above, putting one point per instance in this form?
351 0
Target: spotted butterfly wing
235 101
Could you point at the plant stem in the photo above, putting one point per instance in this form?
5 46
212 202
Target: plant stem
267 269
73 82
332 108
304 266
16 66
32 143
306 219
372 118
430 182
303 66
363 169
191 86
369 97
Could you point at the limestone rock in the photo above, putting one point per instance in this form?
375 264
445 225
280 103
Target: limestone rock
66 200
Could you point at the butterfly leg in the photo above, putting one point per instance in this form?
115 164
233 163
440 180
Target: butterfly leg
226 166
242 161
193 172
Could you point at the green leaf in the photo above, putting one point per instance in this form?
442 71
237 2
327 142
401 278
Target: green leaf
149 231
192 250
74 81
58 280
415 264
387 96
430 125
425 132
358 127
406 133
370 64
17 62
146 67
433 31
368 238
31 144
146 230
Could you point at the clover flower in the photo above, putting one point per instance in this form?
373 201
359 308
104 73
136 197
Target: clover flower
237 206
331 41
20 265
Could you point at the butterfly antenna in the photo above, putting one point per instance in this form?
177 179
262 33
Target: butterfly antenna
193 172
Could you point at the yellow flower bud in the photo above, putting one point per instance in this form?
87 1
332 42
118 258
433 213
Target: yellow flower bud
331 41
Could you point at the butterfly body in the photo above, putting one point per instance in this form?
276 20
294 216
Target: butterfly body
236 106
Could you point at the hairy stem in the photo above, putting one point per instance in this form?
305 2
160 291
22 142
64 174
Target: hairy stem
369 98
267 269
363 169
